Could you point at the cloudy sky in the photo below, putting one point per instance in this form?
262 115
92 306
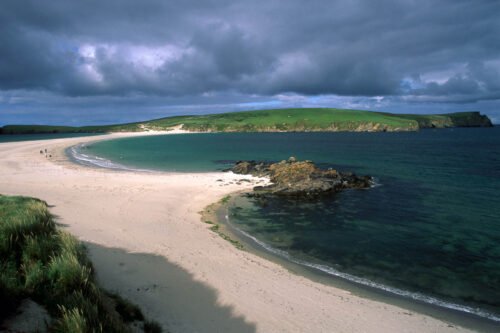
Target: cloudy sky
94 61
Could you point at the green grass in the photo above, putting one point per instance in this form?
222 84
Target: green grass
216 228
225 200
40 262
302 119
284 120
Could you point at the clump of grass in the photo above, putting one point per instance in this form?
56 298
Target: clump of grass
11 288
21 218
152 327
127 310
40 262
66 273
72 320
34 276
225 200
39 248
216 228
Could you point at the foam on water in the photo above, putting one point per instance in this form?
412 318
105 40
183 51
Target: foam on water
76 154
365 282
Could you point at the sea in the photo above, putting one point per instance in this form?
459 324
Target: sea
428 230
43 136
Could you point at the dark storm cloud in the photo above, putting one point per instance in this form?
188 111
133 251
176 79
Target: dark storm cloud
418 50
477 82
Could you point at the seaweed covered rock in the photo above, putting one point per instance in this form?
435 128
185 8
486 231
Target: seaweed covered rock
299 178
257 169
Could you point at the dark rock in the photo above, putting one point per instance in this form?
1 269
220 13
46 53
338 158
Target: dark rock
30 317
294 178
258 169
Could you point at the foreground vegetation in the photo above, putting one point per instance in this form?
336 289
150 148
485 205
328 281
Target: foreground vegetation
50 267
277 120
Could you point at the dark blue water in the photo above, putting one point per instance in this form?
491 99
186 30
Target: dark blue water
431 229
48 136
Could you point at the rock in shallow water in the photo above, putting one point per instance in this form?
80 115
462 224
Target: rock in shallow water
299 178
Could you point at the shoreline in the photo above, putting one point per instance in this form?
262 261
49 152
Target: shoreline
151 221
219 212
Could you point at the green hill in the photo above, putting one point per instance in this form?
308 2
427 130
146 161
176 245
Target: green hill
286 120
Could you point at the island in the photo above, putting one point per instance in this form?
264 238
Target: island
278 120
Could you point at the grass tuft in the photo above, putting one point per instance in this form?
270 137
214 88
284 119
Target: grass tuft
127 310
225 200
35 276
152 327
51 267
216 228
66 273
72 321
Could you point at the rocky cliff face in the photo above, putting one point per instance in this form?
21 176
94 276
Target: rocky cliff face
470 119
354 126
294 178
459 119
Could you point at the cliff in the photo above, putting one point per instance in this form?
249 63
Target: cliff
459 119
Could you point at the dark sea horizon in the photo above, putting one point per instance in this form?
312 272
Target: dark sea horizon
429 230
42 136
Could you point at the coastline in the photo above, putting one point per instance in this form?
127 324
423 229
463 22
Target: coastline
147 243
219 212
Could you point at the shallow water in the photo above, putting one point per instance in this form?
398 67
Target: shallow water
431 229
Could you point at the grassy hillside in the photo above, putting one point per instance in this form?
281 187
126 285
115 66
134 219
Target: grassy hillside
288 120
41 263
278 120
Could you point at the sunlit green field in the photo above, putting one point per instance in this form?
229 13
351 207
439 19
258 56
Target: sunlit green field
299 120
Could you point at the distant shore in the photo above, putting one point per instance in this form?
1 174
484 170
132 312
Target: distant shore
278 120
147 242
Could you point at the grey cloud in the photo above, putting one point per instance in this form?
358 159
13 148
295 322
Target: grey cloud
478 82
349 48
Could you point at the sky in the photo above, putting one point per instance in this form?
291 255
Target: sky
108 61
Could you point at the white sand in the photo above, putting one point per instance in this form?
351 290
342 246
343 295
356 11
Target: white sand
147 243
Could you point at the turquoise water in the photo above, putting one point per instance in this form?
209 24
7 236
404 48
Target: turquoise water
430 230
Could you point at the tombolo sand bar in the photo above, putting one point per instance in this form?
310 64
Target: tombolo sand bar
147 243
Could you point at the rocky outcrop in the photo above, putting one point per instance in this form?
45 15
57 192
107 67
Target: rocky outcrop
458 119
30 317
470 119
294 178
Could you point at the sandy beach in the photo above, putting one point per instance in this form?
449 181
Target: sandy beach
147 242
